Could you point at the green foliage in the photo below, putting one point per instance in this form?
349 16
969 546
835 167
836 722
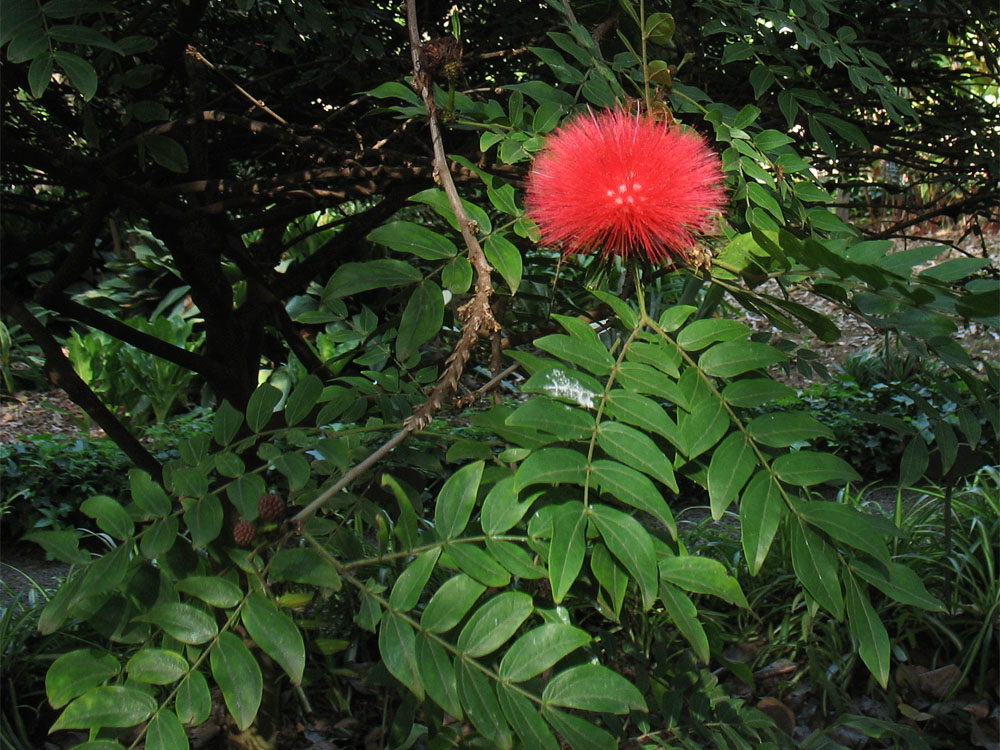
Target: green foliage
538 589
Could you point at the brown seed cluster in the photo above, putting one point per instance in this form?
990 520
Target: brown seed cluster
244 533
271 507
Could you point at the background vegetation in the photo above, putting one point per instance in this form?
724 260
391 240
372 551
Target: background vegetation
485 535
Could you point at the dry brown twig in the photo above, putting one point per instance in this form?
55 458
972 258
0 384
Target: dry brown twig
476 314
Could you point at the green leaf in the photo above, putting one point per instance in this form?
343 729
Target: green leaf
75 672
589 355
438 674
763 198
539 649
684 614
642 412
165 151
148 495
437 199
40 75
394 89
781 429
632 488
702 575
159 537
847 525
640 378
245 493
731 465
194 701
410 584
736 357
457 276
181 621
504 256
845 130
662 356
551 466
524 718
226 423
914 462
815 564
561 420
501 510
62 545
899 582
735 51
700 333
515 559
494 623
659 28
592 687
81 73
865 625
421 321
304 565
806 468
456 500
165 732
302 400
450 603
481 706
261 406
822 137
705 426
580 733
84 35
768 140
276 634
156 666
106 706
479 564
631 544
542 92
212 590
407 237
351 278
296 468
761 509
238 676
610 575
635 449
567 548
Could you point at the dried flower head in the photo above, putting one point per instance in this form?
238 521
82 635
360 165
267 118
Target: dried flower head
625 184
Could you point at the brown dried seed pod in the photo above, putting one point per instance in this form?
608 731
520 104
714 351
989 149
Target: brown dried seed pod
271 507
244 533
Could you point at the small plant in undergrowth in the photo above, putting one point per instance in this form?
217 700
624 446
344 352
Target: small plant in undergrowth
144 386
876 411
45 478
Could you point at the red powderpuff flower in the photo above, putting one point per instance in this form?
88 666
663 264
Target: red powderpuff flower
624 183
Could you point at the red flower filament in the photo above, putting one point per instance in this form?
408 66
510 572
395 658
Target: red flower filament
624 183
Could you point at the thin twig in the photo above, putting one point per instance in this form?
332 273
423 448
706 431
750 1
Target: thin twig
257 102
